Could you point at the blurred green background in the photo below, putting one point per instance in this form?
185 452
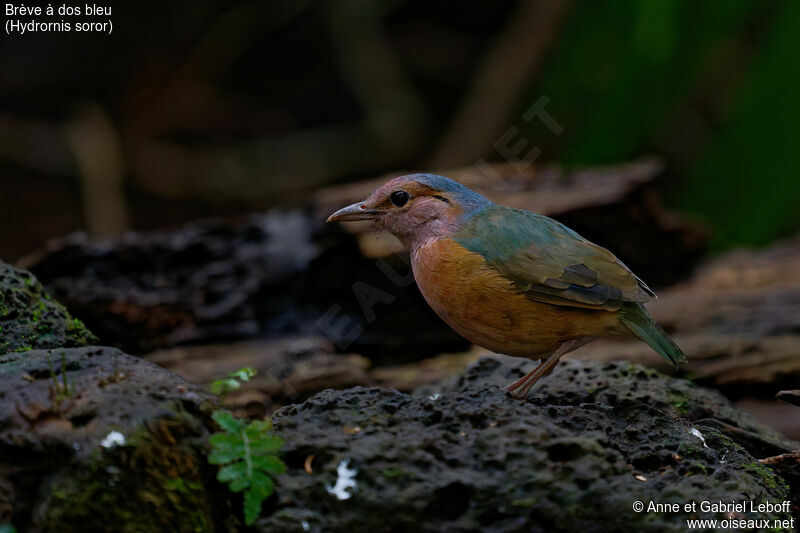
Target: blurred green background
209 107
712 86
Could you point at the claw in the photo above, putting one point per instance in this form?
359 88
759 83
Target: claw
516 394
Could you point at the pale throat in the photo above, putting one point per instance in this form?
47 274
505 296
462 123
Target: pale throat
443 227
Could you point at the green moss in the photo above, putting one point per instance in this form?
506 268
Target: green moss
31 319
768 477
391 473
698 467
722 440
524 502
78 330
680 403
181 485
153 483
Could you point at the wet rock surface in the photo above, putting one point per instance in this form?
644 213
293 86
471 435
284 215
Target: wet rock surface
92 439
592 439
30 319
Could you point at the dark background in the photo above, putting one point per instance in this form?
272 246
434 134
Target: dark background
201 108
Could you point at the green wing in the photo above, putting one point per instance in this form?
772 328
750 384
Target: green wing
549 262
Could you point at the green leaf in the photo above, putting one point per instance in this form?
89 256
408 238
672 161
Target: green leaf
262 484
232 381
262 444
252 506
248 452
232 471
260 489
243 374
269 463
222 440
221 457
226 421
224 443
238 485
257 427
218 387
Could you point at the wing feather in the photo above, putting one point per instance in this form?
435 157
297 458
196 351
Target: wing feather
549 262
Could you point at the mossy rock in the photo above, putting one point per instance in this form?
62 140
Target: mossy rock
31 320
592 439
92 439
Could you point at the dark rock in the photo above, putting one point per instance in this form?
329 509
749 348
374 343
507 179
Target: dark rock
593 439
280 273
288 370
787 465
791 396
205 281
92 439
30 319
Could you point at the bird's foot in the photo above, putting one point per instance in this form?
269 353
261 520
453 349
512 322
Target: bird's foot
520 388
517 394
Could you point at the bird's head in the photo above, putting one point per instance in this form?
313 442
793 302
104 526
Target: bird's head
417 207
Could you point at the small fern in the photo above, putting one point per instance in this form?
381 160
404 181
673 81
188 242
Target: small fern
246 453
232 382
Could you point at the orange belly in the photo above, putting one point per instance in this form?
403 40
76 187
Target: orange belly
484 307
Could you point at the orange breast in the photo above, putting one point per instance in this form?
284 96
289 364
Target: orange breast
482 305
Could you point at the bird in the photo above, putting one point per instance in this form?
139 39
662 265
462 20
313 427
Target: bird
510 280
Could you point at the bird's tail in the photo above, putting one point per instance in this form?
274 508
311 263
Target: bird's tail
643 325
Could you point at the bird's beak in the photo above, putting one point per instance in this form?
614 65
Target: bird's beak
356 211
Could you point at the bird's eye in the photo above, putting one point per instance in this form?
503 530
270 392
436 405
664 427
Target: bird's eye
399 198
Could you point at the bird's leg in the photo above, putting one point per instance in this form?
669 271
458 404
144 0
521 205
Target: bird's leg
538 373
520 388
521 381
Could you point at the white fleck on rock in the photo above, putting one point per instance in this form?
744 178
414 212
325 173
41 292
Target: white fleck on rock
114 438
434 397
696 433
346 480
305 525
